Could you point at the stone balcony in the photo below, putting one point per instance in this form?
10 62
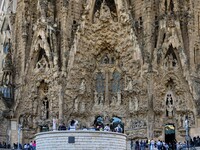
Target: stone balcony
80 140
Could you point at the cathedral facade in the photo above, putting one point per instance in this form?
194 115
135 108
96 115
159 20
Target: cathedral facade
135 60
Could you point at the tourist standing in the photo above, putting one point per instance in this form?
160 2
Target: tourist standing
34 145
73 125
107 128
137 146
152 144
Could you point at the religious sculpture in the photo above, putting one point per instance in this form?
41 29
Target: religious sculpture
82 87
76 105
170 107
129 84
96 16
108 63
105 14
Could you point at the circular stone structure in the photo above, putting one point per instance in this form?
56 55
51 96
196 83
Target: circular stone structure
80 140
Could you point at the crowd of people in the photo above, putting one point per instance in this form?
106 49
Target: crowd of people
97 127
4 145
26 146
161 145
151 145
195 141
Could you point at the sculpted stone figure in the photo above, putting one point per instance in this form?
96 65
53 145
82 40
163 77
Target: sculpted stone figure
42 8
82 87
170 110
114 100
124 17
105 14
136 103
98 98
96 16
101 99
129 84
76 105
119 98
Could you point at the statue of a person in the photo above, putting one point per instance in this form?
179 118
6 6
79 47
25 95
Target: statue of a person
136 103
76 105
96 16
170 110
35 106
82 107
114 100
101 99
119 98
105 14
82 86
124 17
129 84
192 120
43 9
130 105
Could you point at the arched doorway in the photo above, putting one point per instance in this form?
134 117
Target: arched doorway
169 133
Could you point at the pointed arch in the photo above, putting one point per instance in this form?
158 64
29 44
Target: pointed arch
111 5
171 58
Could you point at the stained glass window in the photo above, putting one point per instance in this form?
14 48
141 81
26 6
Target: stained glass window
116 82
99 82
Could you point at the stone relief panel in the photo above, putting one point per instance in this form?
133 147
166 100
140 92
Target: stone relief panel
158 123
137 124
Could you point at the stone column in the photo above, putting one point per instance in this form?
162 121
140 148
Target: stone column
106 88
61 95
150 124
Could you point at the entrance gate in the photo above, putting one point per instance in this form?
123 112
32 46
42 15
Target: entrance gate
169 133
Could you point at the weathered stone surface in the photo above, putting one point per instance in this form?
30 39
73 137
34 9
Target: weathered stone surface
82 140
136 60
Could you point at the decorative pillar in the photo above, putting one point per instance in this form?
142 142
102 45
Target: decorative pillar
107 88
61 95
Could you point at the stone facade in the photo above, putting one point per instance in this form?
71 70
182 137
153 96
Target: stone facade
136 60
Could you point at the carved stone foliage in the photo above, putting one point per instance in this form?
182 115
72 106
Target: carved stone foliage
157 133
158 123
136 133
26 120
137 124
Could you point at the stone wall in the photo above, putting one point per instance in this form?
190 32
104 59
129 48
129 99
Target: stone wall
88 140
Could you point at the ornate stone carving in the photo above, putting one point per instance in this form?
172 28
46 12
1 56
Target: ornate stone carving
136 124
113 63
82 87
105 14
